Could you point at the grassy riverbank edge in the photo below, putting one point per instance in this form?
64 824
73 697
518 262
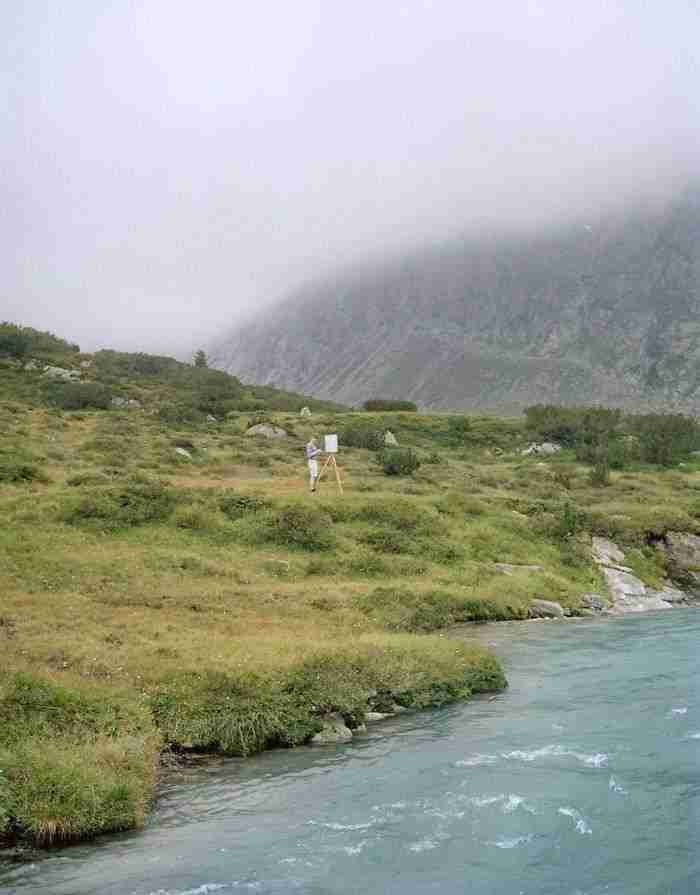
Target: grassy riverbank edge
81 758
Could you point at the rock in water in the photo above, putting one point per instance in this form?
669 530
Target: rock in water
335 730
267 430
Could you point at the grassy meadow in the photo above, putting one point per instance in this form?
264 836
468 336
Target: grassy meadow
158 600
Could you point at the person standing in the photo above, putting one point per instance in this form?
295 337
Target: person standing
312 452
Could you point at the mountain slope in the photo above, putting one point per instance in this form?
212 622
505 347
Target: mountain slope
607 310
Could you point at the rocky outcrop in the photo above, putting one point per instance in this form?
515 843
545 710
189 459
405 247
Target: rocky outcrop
126 403
683 553
267 430
627 591
61 373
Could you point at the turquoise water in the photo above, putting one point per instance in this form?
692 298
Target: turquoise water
583 778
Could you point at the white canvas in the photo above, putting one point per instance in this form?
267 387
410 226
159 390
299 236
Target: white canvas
330 444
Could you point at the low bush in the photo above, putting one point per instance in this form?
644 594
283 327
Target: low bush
296 527
362 435
78 395
399 461
18 472
236 505
380 405
136 502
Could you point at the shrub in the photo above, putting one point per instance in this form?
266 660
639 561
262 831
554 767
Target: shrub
599 476
664 438
387 540
136 502
78 395
362 435
296 526
399 461
458 427
379 405
237 505
19 472
425 611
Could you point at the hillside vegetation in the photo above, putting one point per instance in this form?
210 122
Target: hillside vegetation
606 309
169 582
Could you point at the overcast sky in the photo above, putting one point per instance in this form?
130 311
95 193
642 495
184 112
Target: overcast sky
167 166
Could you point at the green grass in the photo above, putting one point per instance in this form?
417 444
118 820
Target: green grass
152 601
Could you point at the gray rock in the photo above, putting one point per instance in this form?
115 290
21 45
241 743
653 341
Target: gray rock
335 730
511 568
594 601
683 550
545 449
623 584
125 402
376 716
32 365
669 594
545 609
606 553
267 430
305 411
390 439
85 364
211 418
61 373
183 453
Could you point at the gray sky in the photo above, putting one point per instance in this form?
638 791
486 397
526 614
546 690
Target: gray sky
167 166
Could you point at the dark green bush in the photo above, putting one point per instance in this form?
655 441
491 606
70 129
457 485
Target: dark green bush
78 395
136 502
458 428
18 472
180 414
388 540
380 405
399 461
362 435
18 341
665 438
296 526
237 505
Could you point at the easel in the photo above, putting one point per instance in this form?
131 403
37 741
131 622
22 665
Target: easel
330 461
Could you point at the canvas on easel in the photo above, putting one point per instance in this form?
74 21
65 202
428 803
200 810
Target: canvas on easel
330 448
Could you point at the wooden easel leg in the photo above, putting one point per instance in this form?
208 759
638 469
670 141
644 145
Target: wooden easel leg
337 476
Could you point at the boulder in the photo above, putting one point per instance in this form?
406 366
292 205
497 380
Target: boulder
508 568
32 365
334 730
606 553
683 551
545 449
267 430
183 453
211 418
305 411
61 373
390 439
545 609
594 601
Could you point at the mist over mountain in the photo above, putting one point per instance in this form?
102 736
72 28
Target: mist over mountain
605 309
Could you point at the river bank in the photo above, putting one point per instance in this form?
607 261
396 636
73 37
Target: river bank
579 777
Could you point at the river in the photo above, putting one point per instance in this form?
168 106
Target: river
583 778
